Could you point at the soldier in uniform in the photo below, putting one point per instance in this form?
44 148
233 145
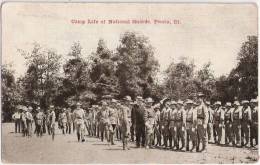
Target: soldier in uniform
245 124
202 122
157 132
29 120
210 123
228 123
254 123
149 119
23 120
165 122
112 114
172 124
39 122
138 116
79 116
191 123
69 121
17 120
94 120
51 119
104 121
124 120
218 121
63 120
236 126
180 124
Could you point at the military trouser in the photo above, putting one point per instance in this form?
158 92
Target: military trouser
236 132
165 133
254 133
125 130
180 134
172 134
218 132
17 125
80 130
132 131
244 133
210 132
69 127
104 131
191 135
228 132
157 134
140 134
63 127
149 129
112 129
39 127
29 128
202 135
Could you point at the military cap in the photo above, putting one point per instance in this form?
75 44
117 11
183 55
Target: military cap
51 106
107 97
104 103
180 102
38 108
207 102
217 103
139 98
20 107
200 94
236 103
149 100
244 102
228 104
25 108
127 98
78 103
189 101
173 102
253 101
113 101
30 108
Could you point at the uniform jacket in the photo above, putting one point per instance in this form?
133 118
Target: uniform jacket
138 114
202 114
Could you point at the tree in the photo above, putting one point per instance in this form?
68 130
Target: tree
40 80
136 64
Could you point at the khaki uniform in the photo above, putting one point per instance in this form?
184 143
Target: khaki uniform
191 122
39 123
254 126
180 125
149 119
157 131
202 122
165 125
173 127
236 126
245 125
124 125
210 125
63 121
17 119
104 124
218 124
69 122
112 114
228 125
79 116
51 119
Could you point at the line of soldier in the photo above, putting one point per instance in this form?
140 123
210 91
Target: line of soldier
177 123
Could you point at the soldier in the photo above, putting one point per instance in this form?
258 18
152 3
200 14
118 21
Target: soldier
39 122
69 121
172 124
138 115
218 121
246 120
124 111
98 118
254 124
202 122
236 126
210 122
94 120
119 126
165 122
29 120
51 119
180 124
23 120
112 114
17 120
79 116
104 122
63 120
157 131
191 123
149 119
228 123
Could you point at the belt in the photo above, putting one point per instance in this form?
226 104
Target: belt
189 121
202 118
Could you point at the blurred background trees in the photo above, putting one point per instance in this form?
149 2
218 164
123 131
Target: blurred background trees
131 69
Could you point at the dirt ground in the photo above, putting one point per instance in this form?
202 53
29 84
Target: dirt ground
66 149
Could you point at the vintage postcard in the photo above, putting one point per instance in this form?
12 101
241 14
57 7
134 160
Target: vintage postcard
129 83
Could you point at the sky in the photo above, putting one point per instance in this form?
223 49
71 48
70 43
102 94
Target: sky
205 32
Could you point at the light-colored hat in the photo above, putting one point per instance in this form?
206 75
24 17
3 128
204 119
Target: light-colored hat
180 102
113 101
217 103
200 94
38 108
156 106
253 101
139 98
78 104
127 98
104 103
228 104
236 103
30 108
173 102
25 108
245 102
51 106
20 107
149 100
189 102
107 97
207 102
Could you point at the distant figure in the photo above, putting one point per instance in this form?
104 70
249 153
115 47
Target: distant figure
17 120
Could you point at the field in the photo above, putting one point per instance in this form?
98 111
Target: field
66 149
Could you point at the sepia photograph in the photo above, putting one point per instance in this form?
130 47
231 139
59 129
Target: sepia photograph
129 83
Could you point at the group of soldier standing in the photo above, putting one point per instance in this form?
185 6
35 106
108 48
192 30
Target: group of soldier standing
176 125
